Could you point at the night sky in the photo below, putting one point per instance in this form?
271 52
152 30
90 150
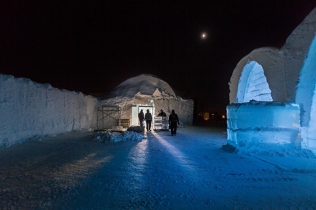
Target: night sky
92 46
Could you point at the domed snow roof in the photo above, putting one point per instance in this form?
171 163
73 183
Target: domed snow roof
144 84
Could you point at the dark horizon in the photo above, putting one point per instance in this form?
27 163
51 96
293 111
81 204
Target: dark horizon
92 47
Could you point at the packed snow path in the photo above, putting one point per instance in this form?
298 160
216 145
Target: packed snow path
187 171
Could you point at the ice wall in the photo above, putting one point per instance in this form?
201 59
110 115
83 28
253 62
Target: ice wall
309 133
306 87
306 98
28 108
263 123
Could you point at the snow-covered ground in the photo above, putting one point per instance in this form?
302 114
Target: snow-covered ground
188 171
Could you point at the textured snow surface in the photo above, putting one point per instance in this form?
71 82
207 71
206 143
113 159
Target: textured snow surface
186 171
113 137
28 109
143 84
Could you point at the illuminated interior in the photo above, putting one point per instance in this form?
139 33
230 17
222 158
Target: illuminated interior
253 84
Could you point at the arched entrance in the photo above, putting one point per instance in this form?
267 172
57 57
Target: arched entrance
253 84
306 98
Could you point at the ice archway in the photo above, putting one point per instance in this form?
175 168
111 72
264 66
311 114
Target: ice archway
306 95
253 84
283 84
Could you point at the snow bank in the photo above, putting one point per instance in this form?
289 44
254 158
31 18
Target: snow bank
113 137
137 129
28 109
263 123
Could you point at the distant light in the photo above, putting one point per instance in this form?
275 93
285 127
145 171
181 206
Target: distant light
206 116
204 35
223 116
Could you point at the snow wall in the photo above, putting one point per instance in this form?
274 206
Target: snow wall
28 109
263 123
285 75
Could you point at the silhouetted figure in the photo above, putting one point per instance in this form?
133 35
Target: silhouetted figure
141 117
148 118
173 122
162 113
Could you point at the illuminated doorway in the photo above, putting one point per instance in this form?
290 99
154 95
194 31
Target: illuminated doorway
253 84
136 109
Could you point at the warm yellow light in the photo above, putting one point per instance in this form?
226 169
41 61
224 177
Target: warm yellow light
206 116
223 116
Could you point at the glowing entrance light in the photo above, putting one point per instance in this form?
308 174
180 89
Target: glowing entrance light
253 84
206 115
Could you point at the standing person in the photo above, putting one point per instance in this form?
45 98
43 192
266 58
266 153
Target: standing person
173 122
148 118
162 113
141 117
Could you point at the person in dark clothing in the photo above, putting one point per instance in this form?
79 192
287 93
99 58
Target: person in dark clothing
162 113
173 122
141 117
148 118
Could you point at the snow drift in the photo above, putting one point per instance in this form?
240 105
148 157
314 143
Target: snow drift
113 137
28 109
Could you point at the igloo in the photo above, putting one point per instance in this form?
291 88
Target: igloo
142 92
272 93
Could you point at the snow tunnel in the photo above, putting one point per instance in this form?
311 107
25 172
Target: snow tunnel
306 98
253 84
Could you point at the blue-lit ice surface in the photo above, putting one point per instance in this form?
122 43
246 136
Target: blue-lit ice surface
253 84
306 97
263 125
